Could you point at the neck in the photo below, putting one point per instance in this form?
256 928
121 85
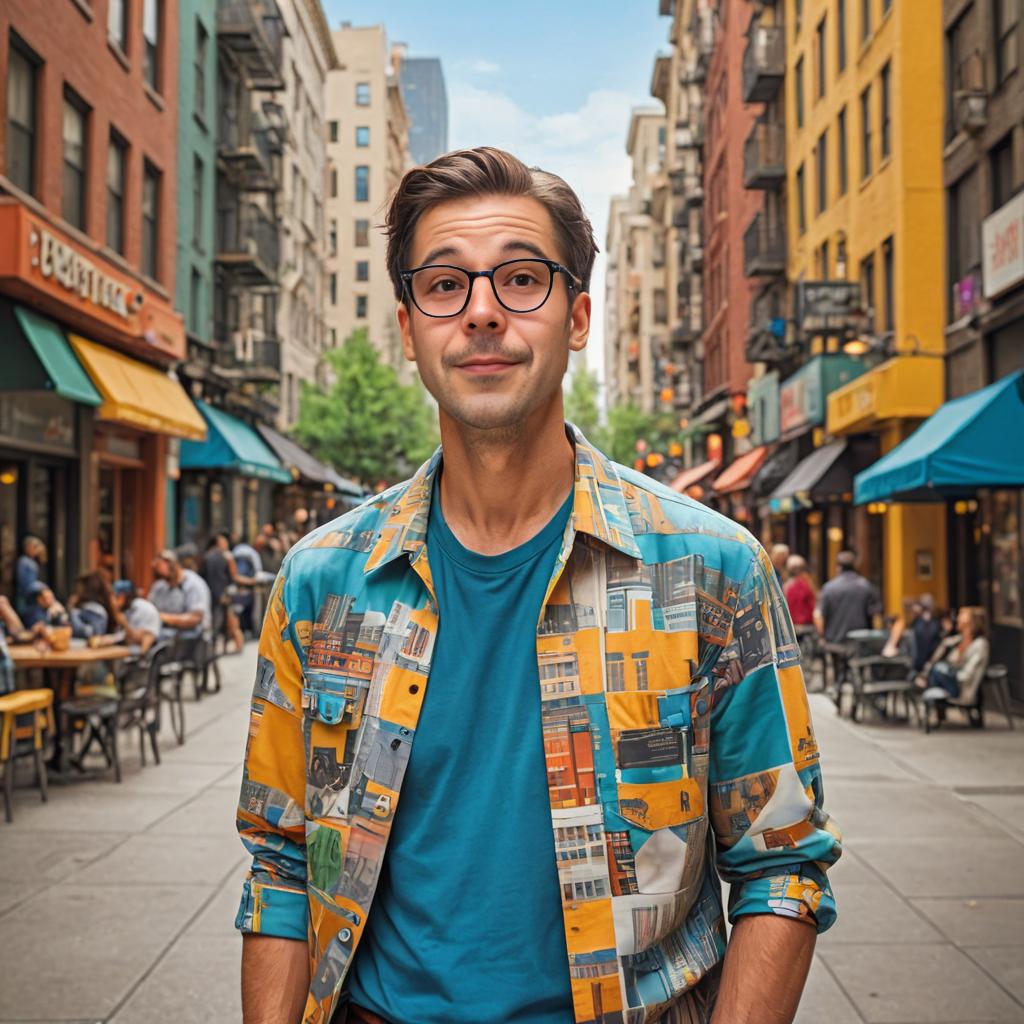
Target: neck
500 487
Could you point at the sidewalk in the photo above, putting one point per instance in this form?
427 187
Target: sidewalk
119 901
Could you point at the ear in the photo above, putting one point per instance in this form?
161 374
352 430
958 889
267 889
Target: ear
579 322
404 319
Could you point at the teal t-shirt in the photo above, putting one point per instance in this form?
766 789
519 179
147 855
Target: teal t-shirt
466 925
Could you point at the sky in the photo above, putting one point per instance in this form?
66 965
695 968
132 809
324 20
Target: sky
552 82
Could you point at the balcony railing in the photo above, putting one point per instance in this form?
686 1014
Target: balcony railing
764 62
247 244
254 31
693 189
764 248
764 156
251 156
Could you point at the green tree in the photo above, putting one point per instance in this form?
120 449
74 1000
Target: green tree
366 423
581 402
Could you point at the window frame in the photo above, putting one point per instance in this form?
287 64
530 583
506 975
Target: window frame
362 94
866 277
199 69
116 200
1004 35
198 196
840 36
362 271
821 48
1001 191
362 183
867 166
72 102
118 34
362 233
28 133
801 200
332 130
798 90
889 282
885 117
152 65
149 259
362 307
821 172
842 151
361 128
865 20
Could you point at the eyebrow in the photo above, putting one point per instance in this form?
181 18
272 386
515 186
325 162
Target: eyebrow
515 245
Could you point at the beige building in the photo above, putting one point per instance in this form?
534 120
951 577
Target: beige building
637 338
309 56
367 153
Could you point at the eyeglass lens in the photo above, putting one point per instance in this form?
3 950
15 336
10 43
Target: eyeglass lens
521 286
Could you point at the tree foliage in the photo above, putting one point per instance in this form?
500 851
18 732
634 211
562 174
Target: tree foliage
366 423
581 402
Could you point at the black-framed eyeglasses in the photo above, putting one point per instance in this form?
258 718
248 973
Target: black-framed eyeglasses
521 286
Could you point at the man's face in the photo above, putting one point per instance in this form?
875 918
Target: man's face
489 368
161 568
40 554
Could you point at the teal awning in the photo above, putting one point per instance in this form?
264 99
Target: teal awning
970 442
37 357
231 444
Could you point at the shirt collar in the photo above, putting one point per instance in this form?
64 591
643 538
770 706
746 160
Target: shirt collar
599 507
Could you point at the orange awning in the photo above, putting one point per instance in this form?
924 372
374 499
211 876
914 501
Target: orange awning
738 476
690 477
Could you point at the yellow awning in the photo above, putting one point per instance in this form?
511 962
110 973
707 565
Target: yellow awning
905 387
138 395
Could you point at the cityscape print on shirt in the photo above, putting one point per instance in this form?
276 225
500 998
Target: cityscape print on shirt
663 636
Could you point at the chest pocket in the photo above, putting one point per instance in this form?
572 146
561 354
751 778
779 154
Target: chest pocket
659 783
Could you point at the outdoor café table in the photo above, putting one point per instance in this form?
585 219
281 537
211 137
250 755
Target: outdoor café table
60 668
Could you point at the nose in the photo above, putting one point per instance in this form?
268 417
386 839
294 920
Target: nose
483 311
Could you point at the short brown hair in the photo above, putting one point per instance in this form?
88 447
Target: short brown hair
480 172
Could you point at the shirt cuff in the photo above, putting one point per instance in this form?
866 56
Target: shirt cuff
803 894
273 910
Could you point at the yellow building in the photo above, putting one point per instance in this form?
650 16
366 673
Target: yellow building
864 183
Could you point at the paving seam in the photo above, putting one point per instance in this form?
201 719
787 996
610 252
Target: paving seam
984 970
842 988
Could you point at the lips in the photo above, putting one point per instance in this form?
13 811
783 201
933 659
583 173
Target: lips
485 366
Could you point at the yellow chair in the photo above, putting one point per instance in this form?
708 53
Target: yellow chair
26 716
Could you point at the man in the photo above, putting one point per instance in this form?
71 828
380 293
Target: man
505 702
799 590
44 608
181 597
138 617
27 572
847 602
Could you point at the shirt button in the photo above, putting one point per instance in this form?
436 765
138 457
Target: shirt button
414 688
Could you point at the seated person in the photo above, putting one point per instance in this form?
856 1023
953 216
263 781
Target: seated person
182 598
958 666
10 621
44 610
91 608
137 617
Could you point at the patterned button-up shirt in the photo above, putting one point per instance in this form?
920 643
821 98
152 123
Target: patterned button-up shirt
677 738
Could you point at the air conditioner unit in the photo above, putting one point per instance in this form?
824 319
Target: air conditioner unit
971 110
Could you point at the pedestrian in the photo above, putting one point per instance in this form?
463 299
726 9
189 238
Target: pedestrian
800 593
181 596
847 602
27 573
270 548
137 617
780 555
519 652
223 578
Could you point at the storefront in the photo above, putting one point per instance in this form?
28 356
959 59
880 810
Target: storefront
731 488
85 347
227 482
322 492
961 457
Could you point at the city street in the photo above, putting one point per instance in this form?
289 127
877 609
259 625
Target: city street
118 901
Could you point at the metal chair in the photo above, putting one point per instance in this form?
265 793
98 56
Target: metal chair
139 706
880 682
995 682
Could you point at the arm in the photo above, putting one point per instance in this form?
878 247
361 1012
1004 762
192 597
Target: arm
275 978
236 576
271 823
182 620
773 839
766 965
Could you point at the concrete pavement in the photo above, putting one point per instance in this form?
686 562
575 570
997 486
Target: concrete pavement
119 901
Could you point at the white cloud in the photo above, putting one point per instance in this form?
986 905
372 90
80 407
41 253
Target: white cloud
586 146
485 67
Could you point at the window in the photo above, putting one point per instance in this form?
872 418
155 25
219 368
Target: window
1006 15
332 239
886 126
361 307
822 36
888 272
841 156
195 298
21 117
197 202
841 35
865 19
151 41
117 153
362 94
362 183
74 196
334 183
362 136
964 227
865 132
798 15
332 131
822 171
867 287
150 219
332 287
801 205
117 23
362 233
1000 160
799 86
824 264
886 7
363 270
202 42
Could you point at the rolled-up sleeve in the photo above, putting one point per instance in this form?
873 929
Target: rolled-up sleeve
271 818
774 840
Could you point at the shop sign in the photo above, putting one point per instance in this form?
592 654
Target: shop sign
38 418
763 399
855 403
800 400
77 274
1002 247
